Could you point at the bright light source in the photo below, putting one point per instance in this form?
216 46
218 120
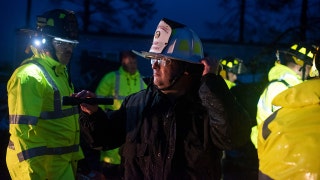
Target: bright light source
37 42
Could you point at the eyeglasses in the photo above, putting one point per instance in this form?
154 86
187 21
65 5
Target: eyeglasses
161 61
64 42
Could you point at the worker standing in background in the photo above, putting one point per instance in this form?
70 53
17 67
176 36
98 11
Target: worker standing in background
290 69
230 68
116 85
288 140
242 162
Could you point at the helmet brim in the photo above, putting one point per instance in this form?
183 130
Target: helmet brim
151 55
34 32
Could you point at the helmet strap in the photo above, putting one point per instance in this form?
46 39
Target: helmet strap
303 69
173 81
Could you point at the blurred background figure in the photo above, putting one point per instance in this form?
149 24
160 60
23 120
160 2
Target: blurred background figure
230 68
291 68
116 85
289 139
122 82
242 162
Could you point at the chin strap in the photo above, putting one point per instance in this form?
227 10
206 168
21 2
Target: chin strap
303 69
173 81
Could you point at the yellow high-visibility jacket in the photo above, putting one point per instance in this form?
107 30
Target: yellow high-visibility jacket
45 135
117 85
281 78
289 140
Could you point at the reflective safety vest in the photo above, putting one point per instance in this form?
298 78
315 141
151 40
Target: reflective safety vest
41 128
229 83
117 85
289 140
280 78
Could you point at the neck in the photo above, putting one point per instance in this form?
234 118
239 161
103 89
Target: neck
173 93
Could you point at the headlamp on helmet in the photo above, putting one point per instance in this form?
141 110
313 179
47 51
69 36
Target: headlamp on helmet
39 42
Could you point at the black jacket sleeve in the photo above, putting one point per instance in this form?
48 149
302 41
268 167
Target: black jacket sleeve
229 121
102 130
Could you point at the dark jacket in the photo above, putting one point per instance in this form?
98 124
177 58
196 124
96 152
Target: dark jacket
174 140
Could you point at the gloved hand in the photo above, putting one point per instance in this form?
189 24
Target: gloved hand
210 66
87 108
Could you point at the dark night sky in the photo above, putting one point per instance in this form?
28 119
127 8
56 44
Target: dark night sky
13 15
195 14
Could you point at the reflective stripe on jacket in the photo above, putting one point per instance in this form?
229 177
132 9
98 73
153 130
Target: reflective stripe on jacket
118 85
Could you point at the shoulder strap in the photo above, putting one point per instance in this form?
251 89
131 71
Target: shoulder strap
117 85
280 80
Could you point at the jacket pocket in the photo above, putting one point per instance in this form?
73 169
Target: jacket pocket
144 159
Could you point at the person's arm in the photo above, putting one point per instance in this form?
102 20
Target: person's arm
105 129
101 131
25 100
230 122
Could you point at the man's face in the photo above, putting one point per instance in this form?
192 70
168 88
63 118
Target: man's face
164 72
64 51
129 64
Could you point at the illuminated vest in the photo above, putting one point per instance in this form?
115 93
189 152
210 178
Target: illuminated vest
117 85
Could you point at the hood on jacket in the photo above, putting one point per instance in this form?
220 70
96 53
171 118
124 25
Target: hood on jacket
306 93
